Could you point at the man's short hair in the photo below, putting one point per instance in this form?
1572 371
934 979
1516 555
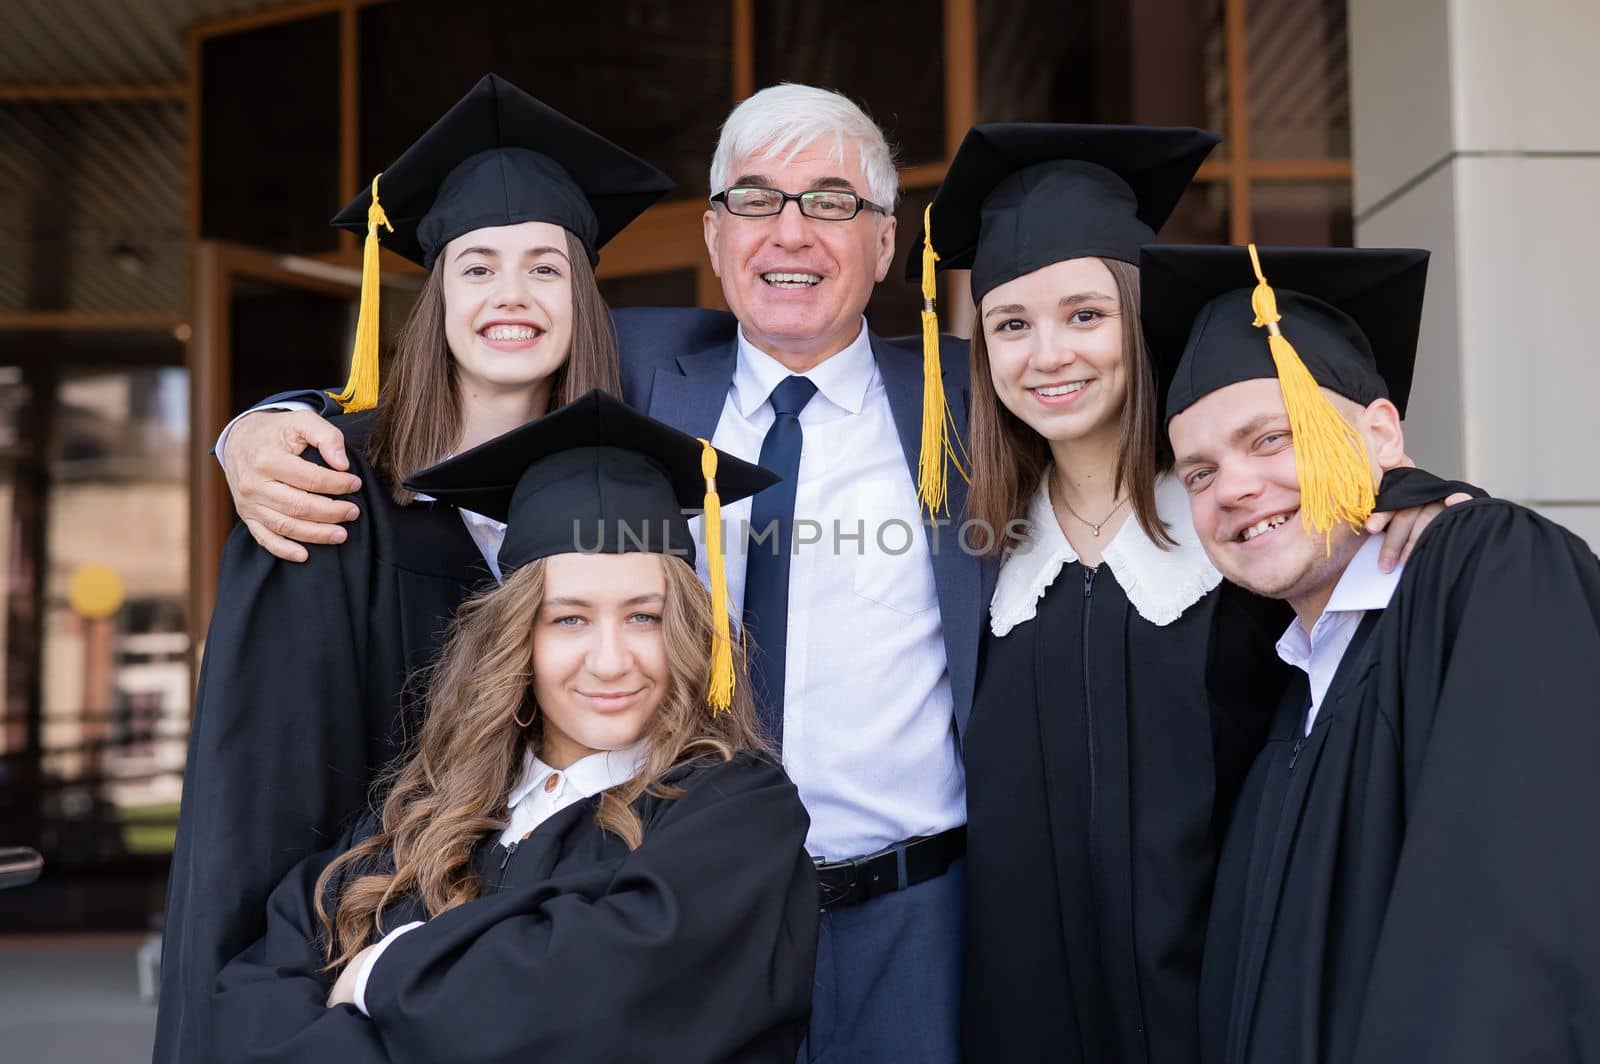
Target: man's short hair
780 120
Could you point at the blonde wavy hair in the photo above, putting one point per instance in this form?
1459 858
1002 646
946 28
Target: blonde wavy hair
451 791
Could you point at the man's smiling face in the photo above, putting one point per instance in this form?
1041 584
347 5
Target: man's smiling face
798 285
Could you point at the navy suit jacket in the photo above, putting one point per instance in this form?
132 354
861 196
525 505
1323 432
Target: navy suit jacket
677 366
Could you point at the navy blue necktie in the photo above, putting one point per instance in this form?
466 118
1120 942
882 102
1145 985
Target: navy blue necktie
766 581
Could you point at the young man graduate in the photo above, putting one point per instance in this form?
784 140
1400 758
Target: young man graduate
1407 876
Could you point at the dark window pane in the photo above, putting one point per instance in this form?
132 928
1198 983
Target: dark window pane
1299 71
283 337
1047 61
654 82
269 138
1307 214
896 305
1201 216
888 56
672 288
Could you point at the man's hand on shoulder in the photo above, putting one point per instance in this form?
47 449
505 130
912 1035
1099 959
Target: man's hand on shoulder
280 495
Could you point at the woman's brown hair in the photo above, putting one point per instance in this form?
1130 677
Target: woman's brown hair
419 407
1009 458
451 791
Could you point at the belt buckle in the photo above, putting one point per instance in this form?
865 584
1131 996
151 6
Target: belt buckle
848 893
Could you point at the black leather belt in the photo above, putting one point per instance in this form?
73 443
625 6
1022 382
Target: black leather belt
905 864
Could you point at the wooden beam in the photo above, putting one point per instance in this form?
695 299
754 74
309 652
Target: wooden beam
744 50
1238 136
927 175
960 71
87 321
93 93
666 237
1299 169
256 20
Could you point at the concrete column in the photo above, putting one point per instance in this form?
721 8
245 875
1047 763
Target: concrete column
1476 134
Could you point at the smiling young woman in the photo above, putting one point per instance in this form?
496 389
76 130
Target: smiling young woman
304 697
589 854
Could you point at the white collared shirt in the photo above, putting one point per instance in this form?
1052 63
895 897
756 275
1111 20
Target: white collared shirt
1161 583
1362 587
868 731
539 794
542 792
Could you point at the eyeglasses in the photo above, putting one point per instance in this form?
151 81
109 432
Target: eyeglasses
823 204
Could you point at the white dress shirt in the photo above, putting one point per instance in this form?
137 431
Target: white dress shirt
540 794
868 730
1362 587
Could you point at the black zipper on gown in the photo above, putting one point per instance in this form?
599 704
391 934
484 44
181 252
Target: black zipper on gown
1088 708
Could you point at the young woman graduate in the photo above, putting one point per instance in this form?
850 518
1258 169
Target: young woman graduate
1123 687
589 856
302 696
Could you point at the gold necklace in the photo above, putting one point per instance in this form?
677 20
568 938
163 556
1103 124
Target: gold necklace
1093 527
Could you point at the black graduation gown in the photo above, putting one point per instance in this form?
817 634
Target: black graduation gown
696 947
1416 880
299 707
1102 757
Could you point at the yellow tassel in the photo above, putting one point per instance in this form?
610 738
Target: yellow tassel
1330 456
939 435
361 390
720 691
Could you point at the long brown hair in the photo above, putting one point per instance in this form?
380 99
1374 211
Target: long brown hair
1009 458
419 407
451 791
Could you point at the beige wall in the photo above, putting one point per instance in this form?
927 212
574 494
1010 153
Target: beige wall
1477 135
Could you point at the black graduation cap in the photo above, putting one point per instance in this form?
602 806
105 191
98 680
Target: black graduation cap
1345 319
500 157
1352 315
594 476
598 477
1022 195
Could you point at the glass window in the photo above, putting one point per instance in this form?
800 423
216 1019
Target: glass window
1201 216
887 56
1304 213
650 77
269 136
116 684
1299 78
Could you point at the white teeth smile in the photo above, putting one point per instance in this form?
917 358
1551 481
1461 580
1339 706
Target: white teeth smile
791 280
511 332
1255 530
1062 389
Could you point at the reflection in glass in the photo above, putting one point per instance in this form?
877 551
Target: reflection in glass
116 682
1299 78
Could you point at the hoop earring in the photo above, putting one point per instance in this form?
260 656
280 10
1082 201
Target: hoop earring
525 724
